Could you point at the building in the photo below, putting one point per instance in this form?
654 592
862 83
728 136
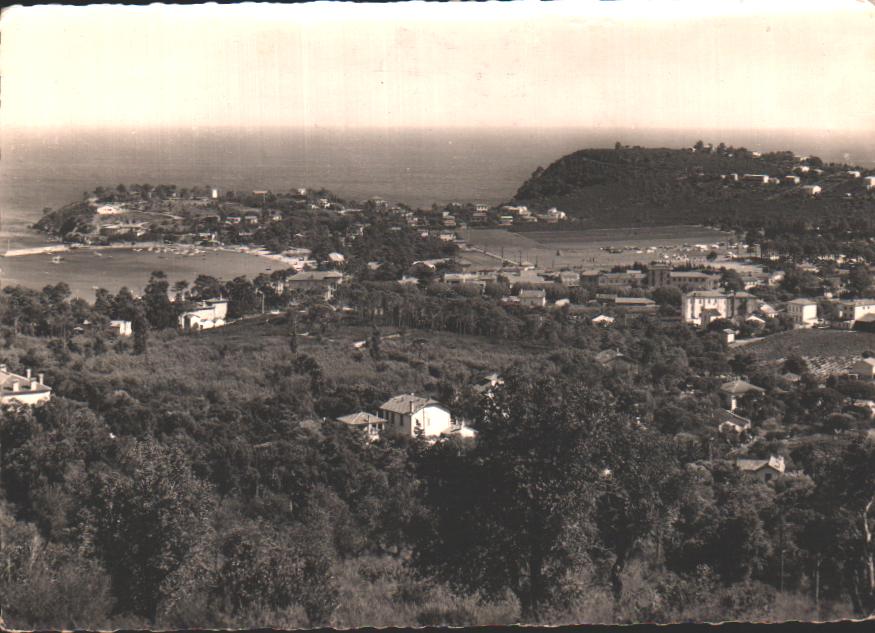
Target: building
863 369
853 173
728 335
25 390
734 390
791 180
533 297
411 415
811 190
760 178
803 312
855 309
728 423
603 320
121 328
763 469
569 278
869 181
324 280
635 303
622 280
372 425
700 307
660 275
210 314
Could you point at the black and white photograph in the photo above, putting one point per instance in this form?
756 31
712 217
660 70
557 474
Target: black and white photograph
436 314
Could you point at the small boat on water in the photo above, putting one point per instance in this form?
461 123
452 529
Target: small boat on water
57 259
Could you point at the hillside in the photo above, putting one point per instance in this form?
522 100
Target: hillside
642 186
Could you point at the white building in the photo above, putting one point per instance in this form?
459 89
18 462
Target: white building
853 174
760 178
869 181
411 415
853 310
703 306
27 390
210 314
803 312
535 297
121 328
811 190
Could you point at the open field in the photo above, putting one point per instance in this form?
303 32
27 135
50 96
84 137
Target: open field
827 351
586 249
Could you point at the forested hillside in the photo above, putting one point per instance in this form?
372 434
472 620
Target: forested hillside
630 186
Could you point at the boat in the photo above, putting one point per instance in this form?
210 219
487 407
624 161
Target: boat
57 259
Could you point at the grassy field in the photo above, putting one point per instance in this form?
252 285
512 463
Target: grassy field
586 249
827 351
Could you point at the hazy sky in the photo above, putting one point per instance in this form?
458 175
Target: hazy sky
735 64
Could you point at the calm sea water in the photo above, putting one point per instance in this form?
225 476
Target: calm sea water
50 169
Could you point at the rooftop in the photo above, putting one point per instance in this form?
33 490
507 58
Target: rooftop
739 387
408 403
360 419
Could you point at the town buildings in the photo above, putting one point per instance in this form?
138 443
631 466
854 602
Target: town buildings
533 297
660 275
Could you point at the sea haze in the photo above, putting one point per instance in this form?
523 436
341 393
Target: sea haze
419 167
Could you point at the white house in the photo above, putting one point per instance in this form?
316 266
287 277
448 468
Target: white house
729 423
763 469
803 312
603 319
533 297
410 415
121 328
325 280
791 179
372 425
27 390
703 306
869 181
853 310
728 336
210 314
811 190
760 178
853 174
863 369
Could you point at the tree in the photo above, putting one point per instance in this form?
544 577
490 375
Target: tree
160 312
859 279
374 345
140 327
513 513
144 519
241 297
292 321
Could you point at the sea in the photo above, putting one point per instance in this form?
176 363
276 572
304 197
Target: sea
42 169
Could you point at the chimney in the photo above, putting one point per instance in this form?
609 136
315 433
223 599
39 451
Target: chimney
34 385
41 377
28 373
16 385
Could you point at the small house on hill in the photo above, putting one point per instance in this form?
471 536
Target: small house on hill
863 369
728 423
535 297
409 415
371 424
763 469
734 390
210 314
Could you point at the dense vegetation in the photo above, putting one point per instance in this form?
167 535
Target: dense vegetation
635 186
200 481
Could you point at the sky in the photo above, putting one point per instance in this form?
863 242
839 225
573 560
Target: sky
735 64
